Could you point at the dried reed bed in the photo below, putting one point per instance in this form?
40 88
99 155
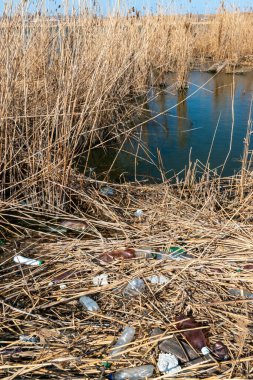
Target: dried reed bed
73 343
71 83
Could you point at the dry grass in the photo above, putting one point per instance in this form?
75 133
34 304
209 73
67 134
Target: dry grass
64 88
73 343
71 83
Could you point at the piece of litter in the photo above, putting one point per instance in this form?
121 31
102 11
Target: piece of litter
138 213
100 280
24 260
63 286
166 362
30 339
88 303
161 280
107 190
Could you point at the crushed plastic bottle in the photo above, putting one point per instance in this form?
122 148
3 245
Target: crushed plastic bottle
126 337
134 288
168 363
24 260
220 351
160 280
196 338
100 280
30 339
174 346
135 373
88 303
108 191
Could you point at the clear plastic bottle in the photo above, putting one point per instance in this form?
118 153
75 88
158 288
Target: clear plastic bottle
25 260
88 303
195 337
126 337
134 288
135 373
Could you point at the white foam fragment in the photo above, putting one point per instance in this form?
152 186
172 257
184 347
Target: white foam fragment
63 286
167 362
100 280
161 280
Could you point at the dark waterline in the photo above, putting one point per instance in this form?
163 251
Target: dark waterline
186 131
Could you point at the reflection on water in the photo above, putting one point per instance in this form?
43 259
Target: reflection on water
182 127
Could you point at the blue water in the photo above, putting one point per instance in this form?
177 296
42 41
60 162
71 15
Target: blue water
185 130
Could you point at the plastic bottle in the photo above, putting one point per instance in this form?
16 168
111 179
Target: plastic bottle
134 373
126 254
174 346
174 253
88 303
220 351
126 337
24 260
195 337
134 287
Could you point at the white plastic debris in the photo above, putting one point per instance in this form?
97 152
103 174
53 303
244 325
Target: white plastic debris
63 286
138 213
160 280
100 280
134 287
24 260
107 190
27 338
88 303
168 363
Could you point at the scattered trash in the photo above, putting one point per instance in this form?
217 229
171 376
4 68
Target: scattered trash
88 303
24 260
160 280
241 293
220 351
135 287
180 349
100 280
74 224
195 336
168 362
138 213
107 190
134 373
30 339
126 254
126 337
63 286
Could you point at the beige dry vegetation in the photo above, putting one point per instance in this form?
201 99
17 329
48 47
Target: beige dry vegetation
80 81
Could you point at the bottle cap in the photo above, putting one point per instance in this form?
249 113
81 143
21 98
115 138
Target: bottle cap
205 350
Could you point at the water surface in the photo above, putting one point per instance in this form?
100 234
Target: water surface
183 128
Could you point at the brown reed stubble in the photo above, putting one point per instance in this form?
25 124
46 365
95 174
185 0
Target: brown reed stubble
69 84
